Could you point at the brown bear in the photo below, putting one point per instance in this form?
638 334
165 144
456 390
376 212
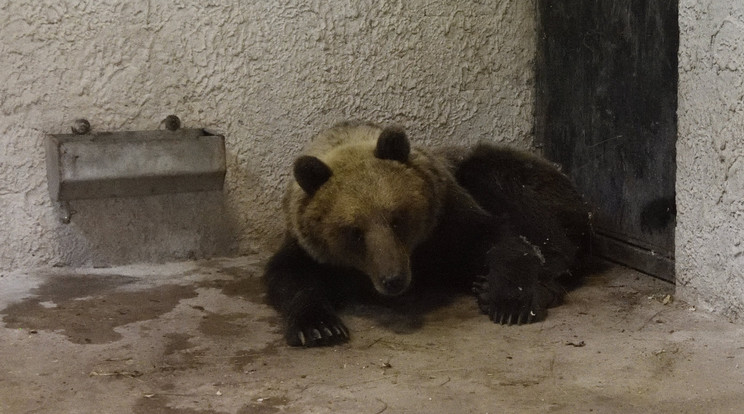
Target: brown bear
366 212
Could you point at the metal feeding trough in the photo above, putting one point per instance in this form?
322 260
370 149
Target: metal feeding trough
86 165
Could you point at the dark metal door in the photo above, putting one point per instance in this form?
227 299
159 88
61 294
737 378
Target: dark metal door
606 110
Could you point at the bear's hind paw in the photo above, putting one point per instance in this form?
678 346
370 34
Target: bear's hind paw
507 304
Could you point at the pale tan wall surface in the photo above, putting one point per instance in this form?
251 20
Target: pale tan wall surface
268 74
710 155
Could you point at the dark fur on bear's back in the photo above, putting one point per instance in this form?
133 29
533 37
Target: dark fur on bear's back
502 223
541 207
538 201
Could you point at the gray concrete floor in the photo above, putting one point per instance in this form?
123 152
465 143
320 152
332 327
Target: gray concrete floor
196 337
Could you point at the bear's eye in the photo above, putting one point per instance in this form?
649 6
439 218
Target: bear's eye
398 223
354 236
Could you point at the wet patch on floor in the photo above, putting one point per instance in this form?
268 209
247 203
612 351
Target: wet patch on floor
180 353
244 288
215 324
249 288
87 308
177 342
249 360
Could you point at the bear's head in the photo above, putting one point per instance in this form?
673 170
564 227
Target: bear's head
366 203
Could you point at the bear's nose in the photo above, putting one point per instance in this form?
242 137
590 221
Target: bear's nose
394 285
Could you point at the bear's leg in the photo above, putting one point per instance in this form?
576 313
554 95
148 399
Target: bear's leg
312 322
517 288
533 263
297 289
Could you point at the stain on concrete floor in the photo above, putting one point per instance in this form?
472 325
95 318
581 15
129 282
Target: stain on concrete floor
87 308
198 338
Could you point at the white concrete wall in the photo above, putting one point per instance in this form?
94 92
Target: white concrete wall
710 155
267 73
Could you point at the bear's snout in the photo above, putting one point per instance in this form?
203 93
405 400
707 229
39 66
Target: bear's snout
395 285
387 262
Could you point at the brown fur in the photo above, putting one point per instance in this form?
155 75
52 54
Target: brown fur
367 213
392 205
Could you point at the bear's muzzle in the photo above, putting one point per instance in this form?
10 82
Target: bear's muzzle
388 262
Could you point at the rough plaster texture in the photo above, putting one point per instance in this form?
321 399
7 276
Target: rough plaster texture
267 74
710 155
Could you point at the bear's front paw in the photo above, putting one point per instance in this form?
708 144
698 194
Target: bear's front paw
506 302
315 327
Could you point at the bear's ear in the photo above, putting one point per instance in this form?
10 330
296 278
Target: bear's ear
311 173
393 145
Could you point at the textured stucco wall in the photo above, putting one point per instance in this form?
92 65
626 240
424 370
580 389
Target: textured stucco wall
710 155
268 74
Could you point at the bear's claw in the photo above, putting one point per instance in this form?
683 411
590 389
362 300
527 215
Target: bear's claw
508 305
316 329
513 318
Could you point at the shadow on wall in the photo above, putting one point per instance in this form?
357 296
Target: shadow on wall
104 232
